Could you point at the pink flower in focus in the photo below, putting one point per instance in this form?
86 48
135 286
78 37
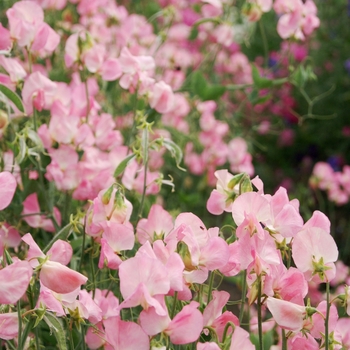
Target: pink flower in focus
53 273
157 226
314 253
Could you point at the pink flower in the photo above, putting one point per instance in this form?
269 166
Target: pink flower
221 199
38 91
157 226
161 97
31 210
142 279
27 27
5 39
8 187
53 273
240 340
314 253
9 325
122 335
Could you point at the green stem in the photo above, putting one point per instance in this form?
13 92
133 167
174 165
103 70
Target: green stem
326 321
144 190
83 247
210 288
244 292
20 346
284 340
174 306
92 270
261 344
87 99
265 43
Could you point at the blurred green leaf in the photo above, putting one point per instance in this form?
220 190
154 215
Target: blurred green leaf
12 96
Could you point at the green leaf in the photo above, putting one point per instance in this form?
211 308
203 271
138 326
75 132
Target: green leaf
213 92
12 96
123 164
22 150
175 151
56 327
199 84
204 90
260 82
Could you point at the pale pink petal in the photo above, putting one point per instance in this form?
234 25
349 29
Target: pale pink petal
124 335
186 326
14 281
61 252
9 325
287 315
8 186
60 278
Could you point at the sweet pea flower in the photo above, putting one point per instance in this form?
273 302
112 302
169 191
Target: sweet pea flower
161 97
144 280
5 40
31 210
53 272
314 253
157 226
27 27
38 92
184 328
222 197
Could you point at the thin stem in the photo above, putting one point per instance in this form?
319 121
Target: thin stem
87 99
144 189
265 43
93 270
261 344
326 321
20 345
284 340
174 306
82 247
210 288
244 292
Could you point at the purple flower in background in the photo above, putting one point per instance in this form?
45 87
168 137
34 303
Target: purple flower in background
347 62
